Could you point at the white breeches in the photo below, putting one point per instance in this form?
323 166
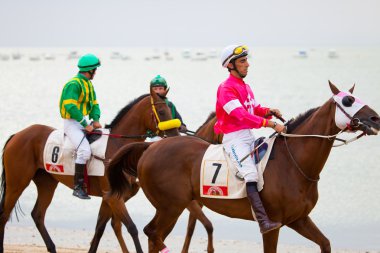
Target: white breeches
239 144
73 131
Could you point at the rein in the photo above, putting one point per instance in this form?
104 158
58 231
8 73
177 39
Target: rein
149 133
329 137
192 133
141 136
297 166
354 122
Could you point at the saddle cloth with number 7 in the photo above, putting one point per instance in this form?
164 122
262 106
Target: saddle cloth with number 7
218 174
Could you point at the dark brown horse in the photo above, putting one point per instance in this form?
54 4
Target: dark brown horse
23 162
169 173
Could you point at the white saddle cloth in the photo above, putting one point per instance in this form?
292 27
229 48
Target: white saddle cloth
218 174
59 154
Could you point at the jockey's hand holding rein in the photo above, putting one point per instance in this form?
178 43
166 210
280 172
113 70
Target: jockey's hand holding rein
92 126
275 112
279 128
96 124
89 128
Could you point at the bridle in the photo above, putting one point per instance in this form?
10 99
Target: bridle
156 119
353 125
149 133
162 125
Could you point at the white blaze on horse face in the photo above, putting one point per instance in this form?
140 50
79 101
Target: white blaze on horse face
341 120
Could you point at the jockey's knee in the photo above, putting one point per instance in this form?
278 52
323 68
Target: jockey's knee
251 177
83 155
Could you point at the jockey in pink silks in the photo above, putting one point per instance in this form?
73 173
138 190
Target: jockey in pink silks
237 112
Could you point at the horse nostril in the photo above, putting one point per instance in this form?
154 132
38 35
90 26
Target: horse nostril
375 119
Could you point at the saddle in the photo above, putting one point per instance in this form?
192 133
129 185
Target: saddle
260 152
94 135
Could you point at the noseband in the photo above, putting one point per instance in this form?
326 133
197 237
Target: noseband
163 125
354 122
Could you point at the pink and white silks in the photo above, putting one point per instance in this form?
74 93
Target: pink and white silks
237 112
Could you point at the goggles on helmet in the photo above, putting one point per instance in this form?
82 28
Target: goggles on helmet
238 52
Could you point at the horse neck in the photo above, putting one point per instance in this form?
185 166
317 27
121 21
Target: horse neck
313 152
135 122
207 133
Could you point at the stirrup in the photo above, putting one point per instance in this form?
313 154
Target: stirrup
271 226
80 193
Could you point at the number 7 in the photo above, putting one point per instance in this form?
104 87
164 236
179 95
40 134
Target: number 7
218 166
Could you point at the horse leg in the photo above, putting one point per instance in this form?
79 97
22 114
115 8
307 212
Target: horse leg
189 233
116 225
13 189
308 229
9 200
119 212
104 216
46 186
270 240
196 212
130 225
160 227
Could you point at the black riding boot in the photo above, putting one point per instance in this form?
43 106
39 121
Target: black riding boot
265 223
78 182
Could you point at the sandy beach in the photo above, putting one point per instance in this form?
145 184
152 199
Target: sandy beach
27 239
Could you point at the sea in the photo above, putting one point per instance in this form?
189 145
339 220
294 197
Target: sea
290 79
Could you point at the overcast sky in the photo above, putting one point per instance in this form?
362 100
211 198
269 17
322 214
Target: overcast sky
191 23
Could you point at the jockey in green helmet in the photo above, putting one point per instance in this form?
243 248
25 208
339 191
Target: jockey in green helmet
77 104
159 85
88 63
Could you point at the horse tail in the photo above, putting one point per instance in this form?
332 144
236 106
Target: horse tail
124 163
3 184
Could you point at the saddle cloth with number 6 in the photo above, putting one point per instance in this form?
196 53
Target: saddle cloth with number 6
59 154
218 174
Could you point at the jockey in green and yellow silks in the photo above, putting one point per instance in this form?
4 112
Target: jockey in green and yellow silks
78 100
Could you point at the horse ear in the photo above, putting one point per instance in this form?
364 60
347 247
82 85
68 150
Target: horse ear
333 88
352 89
167 91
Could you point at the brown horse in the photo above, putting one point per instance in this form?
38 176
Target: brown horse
205 132
169 173
23 162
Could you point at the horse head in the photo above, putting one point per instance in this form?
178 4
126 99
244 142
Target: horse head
163 123
352 113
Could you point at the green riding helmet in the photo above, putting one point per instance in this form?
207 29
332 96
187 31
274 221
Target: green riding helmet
158 81
88 62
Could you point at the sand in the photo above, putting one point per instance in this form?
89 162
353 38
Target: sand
27 239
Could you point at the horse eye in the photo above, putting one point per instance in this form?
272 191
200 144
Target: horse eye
348 101
161 112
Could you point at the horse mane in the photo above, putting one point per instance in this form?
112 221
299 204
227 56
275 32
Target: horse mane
294 123
210 117
125 110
